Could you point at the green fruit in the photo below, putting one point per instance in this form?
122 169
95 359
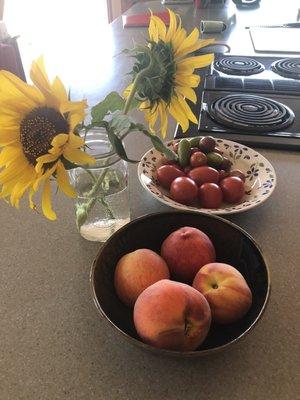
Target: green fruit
184 152
226 164
194 142
214 160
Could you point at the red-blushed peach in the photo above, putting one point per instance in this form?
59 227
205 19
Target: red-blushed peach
226 291
186 251
136 271
172 315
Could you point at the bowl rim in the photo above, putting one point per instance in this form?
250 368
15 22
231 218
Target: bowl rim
145 346
230 209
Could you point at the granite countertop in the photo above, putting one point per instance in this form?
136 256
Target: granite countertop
53 345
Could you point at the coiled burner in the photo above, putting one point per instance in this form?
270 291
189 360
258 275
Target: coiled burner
287 67
238 66
251 113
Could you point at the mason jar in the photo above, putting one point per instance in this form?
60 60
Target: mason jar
102 203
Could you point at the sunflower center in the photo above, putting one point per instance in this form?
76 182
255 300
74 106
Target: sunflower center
159 83
38 129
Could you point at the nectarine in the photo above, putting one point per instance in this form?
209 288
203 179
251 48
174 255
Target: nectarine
226 291
172 315
136 271
186 251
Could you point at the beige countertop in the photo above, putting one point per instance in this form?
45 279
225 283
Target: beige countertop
53 345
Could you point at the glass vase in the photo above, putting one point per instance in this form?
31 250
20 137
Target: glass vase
102 203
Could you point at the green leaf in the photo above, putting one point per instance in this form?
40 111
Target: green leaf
120 122
118 146
160 146
112 102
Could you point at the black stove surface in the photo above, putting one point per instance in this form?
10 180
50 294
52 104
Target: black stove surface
251 113
266 116
226 73
237 65
261 109
287 67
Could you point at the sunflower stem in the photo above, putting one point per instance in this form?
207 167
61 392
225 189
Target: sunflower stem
137 80
87 207
97 183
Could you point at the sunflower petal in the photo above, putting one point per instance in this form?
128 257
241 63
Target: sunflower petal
187 92
16 184
152 116
38 75
160 27
127 91
73 107
63 181
59 90
187 80
178 114
46 201
7 121
190 40
196 62
59 140
178 38
11 172
9 154
17 105
20 188
172 27
163 119
40 79
45 159
78 157
75 119
44 176
12 86
152 30
32 205
6 189
75 141
199 44
56 151
187 110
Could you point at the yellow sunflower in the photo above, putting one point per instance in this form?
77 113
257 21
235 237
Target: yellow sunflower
36 137
171 78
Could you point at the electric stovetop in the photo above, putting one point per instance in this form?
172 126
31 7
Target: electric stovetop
255 101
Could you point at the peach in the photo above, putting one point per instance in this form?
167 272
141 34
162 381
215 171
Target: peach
136 271
186 251
226 291
171 315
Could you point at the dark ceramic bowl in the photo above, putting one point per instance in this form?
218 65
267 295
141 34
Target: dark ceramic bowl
233 246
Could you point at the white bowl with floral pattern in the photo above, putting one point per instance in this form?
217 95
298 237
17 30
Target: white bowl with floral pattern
259 185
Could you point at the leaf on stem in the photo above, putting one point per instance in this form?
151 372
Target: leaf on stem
118 146
120 122
112 102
